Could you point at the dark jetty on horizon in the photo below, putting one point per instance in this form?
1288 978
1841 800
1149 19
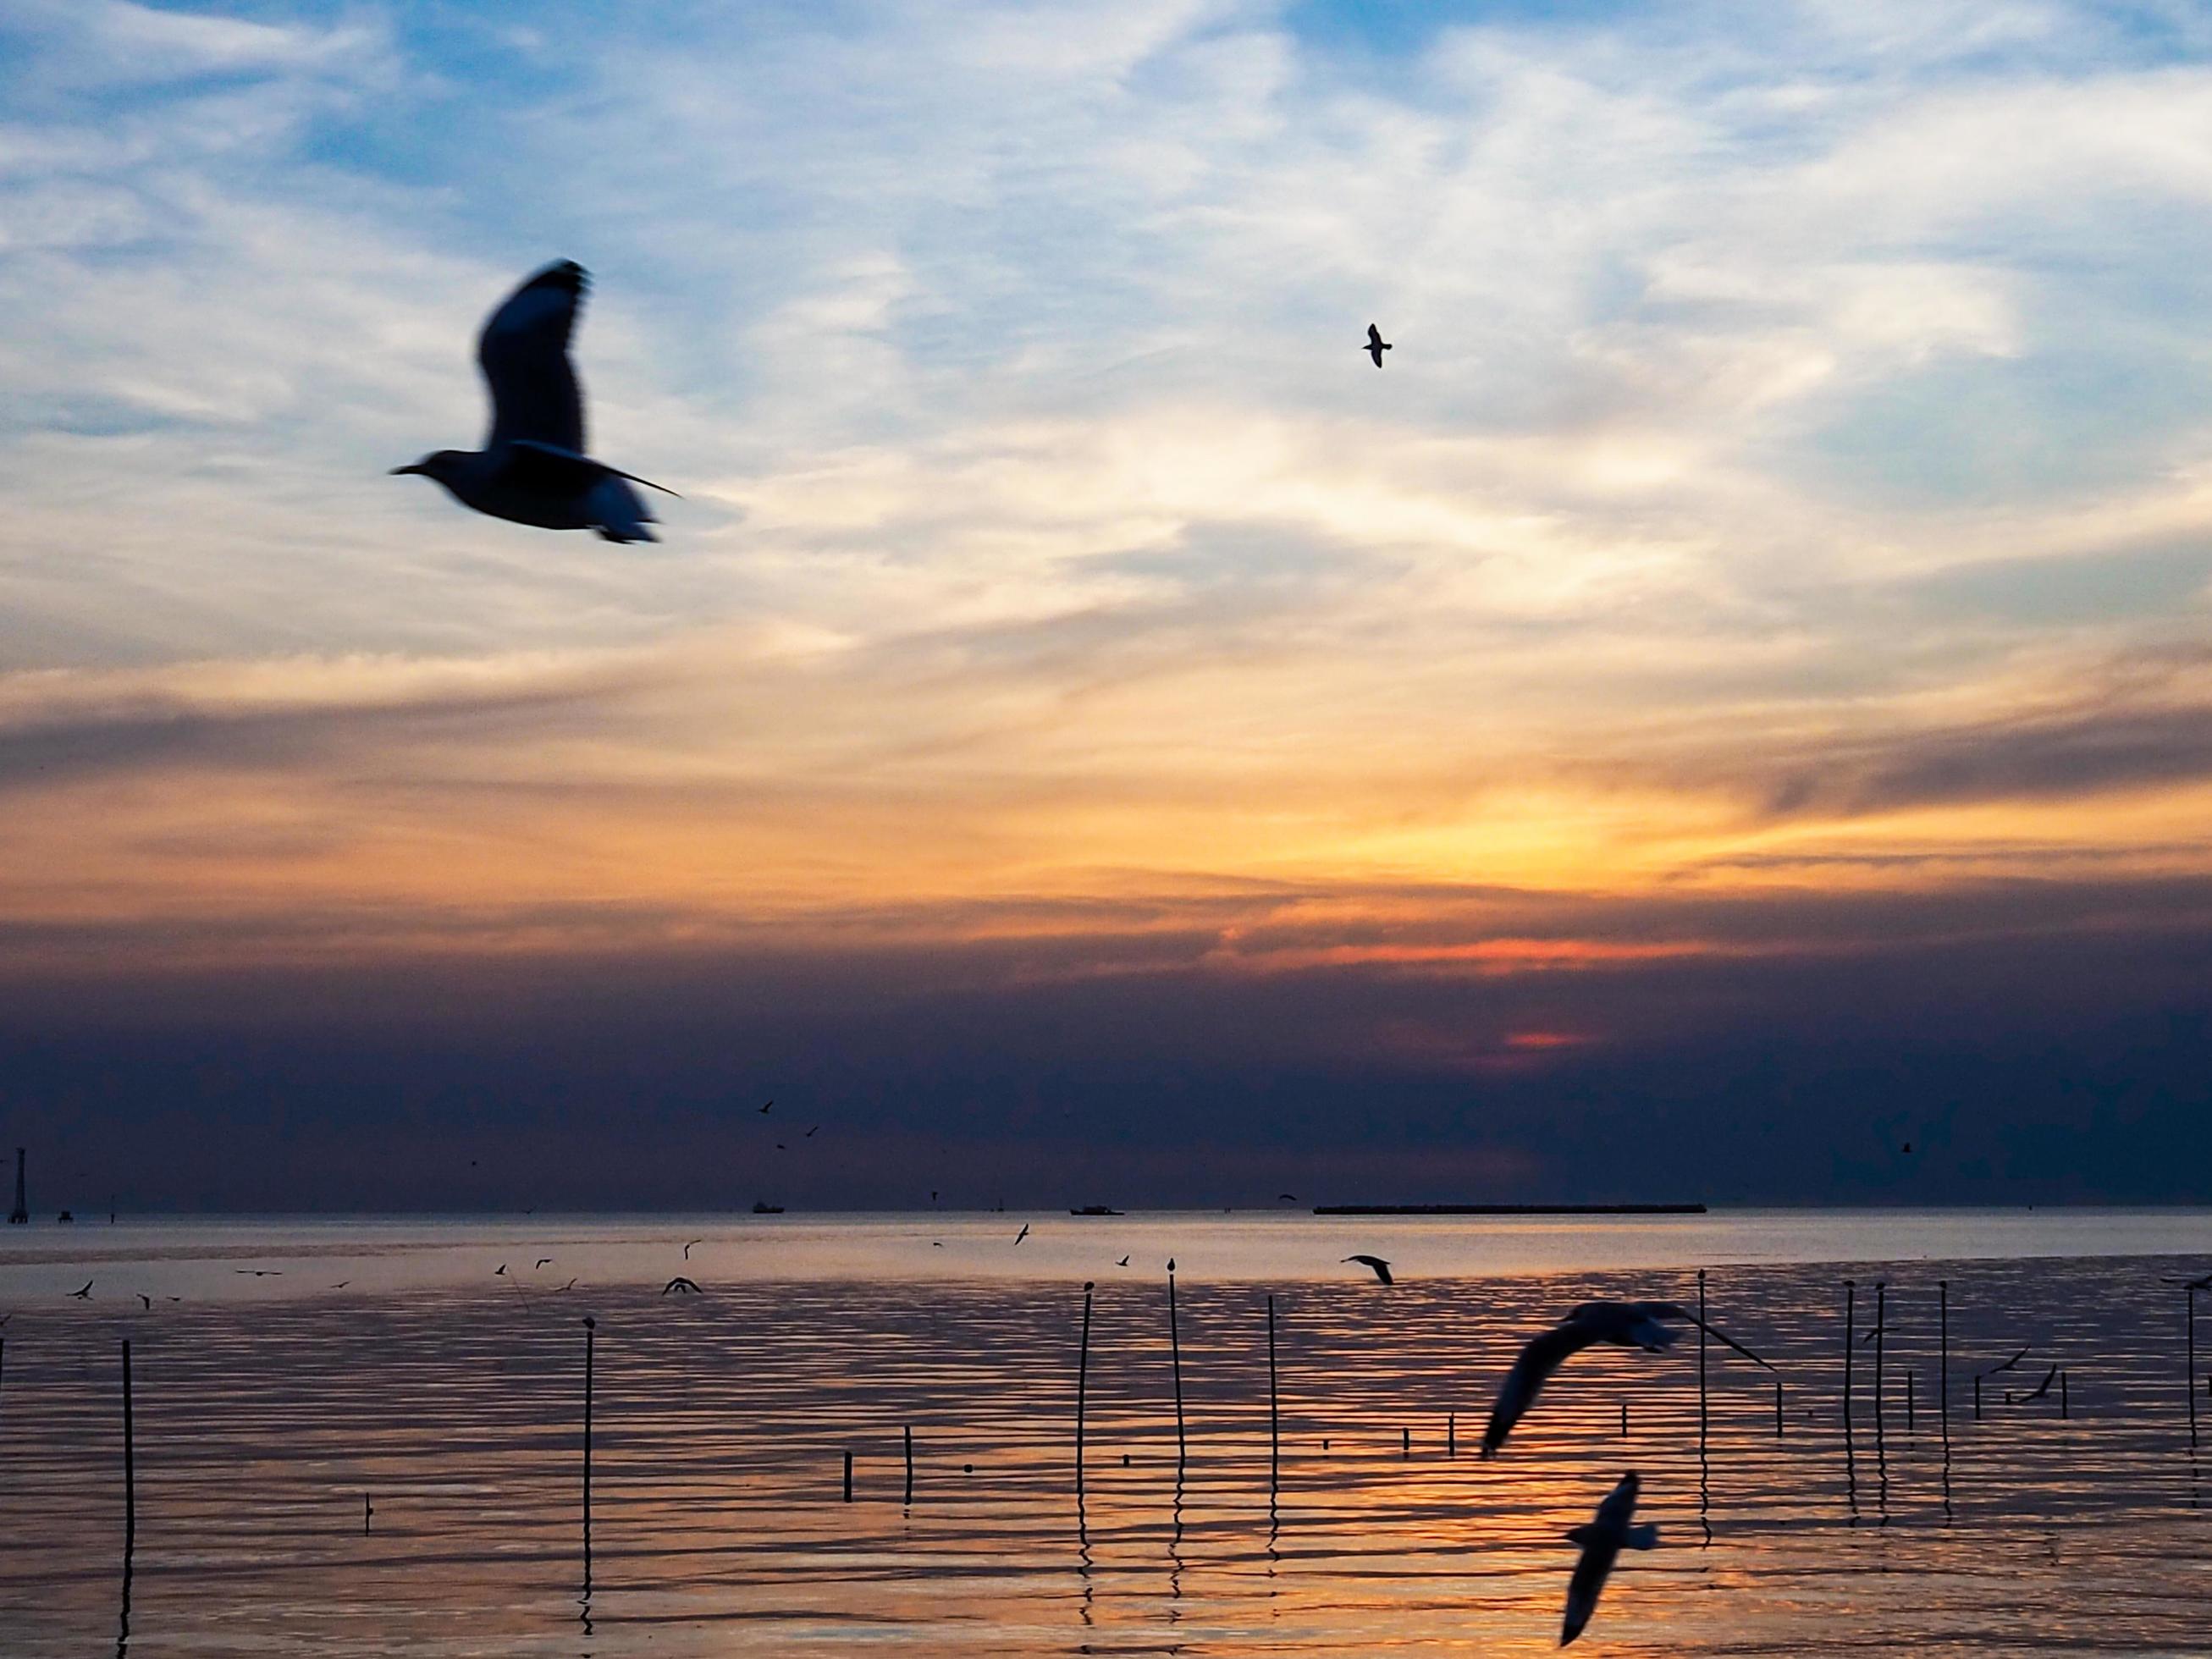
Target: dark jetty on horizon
1509 1209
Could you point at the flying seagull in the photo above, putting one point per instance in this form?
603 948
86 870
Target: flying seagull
680 1285
1382 1267
1123 1262
1286 1198
542 1260
533 469
145 1298
1376 345
1602 1541
502 1272
2042 1388
764 1108
260 1273
2007 1365
84 1295
341 1284
688 1244
1623 1324
809 1135
1023 1233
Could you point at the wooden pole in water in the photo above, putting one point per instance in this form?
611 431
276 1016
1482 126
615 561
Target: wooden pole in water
1624 1418
130 1460
2064 1408
1405 1443
1850 1340
848 1476
1175 1351
1275 1406
1778 1408
1911 1389
909 1465
2190 1292
1701 1357
1082 1382
1943 1358
591 1338
1451 1434
1880 1336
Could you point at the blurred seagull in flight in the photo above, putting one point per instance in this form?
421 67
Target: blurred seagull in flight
1023 1233
688 1244
1382 1267
1602 1541
84 1295
681 1285
1376 345
1623 1324
533 469
542 1260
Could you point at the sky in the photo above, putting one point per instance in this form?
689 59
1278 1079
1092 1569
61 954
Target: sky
1728 699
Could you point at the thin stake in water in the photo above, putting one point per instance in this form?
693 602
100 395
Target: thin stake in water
848 1476
1274 1409
1175 1351
1082 1382
130 1461
910 1466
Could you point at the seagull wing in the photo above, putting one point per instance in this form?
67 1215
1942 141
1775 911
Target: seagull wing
1583 1588
1543 1355
524 353
1675 1310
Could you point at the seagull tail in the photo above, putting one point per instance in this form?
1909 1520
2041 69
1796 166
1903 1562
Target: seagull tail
616 512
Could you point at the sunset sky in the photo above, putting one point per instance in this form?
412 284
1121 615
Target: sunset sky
1732 696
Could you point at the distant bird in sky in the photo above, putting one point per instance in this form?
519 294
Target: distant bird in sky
84 1295
1382 1267
688 1244
781 1147
1608 1534
1286 1198
1908 1145
809 1135
341 1284
1376 345
764 1108
1623 1324
542 1262
1023 1233
145 1298
682 1286
1123 1262
2007 1364
570 1285
260 1273
533 469
936 1244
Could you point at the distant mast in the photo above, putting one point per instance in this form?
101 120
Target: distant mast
22 1213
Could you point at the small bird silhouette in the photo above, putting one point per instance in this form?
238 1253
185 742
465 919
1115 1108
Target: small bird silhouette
1908 1145
1608 1534
1376 345
84 1295
680 1285
260 1273
764 1108
781 1147
1123 1262
501 1273
1023 1233
809 1135
533 469
341 1284
688 1244
1623 1324
936 1244
2042 1387
145 1298
570 1285
542 1260
1382 1267
1286 1198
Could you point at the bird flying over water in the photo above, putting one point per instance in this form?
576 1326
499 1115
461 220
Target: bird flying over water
1623 1324
2042 1388
533 469
681 1285
341 1284
1376 345
84 1295
1023 1233
542 1260
1123 1262
1609 1532
1382 1267
145 1298
764 1108
502 1272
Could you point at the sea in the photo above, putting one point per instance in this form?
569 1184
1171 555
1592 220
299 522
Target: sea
925 1435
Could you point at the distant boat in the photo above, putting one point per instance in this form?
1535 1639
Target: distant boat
1095 1209
762 1206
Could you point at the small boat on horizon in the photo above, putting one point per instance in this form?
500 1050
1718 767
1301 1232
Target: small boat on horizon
762 1206
1095 1209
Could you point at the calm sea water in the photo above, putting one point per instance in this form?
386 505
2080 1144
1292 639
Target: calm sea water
267 1403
